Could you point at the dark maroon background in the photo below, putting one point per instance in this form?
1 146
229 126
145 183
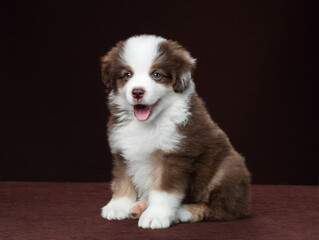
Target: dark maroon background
256 72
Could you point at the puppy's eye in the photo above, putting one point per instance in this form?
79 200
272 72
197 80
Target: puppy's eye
157 76
128 75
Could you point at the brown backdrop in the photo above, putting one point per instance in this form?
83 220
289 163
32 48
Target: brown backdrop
256 72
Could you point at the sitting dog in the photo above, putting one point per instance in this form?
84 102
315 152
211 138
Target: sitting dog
172 163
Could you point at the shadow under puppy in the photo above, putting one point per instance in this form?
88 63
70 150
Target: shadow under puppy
172 163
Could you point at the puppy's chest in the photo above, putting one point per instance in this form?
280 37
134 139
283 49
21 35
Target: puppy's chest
136 141
136 144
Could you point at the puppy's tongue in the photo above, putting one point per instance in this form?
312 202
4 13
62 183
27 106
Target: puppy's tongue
142 112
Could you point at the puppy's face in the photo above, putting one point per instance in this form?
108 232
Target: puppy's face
144 73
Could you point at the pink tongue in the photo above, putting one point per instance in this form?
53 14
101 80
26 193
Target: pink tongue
142 112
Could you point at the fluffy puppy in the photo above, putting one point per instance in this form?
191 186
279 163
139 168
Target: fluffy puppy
168 153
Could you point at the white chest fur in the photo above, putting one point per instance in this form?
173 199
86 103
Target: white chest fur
137 140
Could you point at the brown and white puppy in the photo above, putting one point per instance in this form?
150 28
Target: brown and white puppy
167 150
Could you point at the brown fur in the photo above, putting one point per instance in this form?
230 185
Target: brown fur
198 211
211 173
113 68
167 76
175 61
206 168
170 174
122 185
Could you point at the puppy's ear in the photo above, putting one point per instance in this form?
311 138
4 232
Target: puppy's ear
184 74
179 62
107 65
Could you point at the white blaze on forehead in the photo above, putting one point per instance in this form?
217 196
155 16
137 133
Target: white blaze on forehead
139 52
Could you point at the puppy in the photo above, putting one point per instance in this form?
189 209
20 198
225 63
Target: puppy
169 155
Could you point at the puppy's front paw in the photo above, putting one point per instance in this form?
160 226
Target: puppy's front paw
117 209
156 218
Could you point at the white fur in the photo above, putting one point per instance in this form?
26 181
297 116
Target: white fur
183 214
118 209
161 212
140 52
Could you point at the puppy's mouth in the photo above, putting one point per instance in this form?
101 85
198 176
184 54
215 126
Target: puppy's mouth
142 112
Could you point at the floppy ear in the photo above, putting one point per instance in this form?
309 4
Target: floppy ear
180 63
107 65
184 73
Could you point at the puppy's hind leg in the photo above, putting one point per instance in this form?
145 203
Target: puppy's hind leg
193 212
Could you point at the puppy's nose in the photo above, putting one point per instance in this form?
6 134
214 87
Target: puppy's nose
138 93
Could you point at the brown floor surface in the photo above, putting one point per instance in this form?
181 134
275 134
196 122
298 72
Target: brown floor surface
72 211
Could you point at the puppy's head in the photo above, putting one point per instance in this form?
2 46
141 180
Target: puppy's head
143 72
